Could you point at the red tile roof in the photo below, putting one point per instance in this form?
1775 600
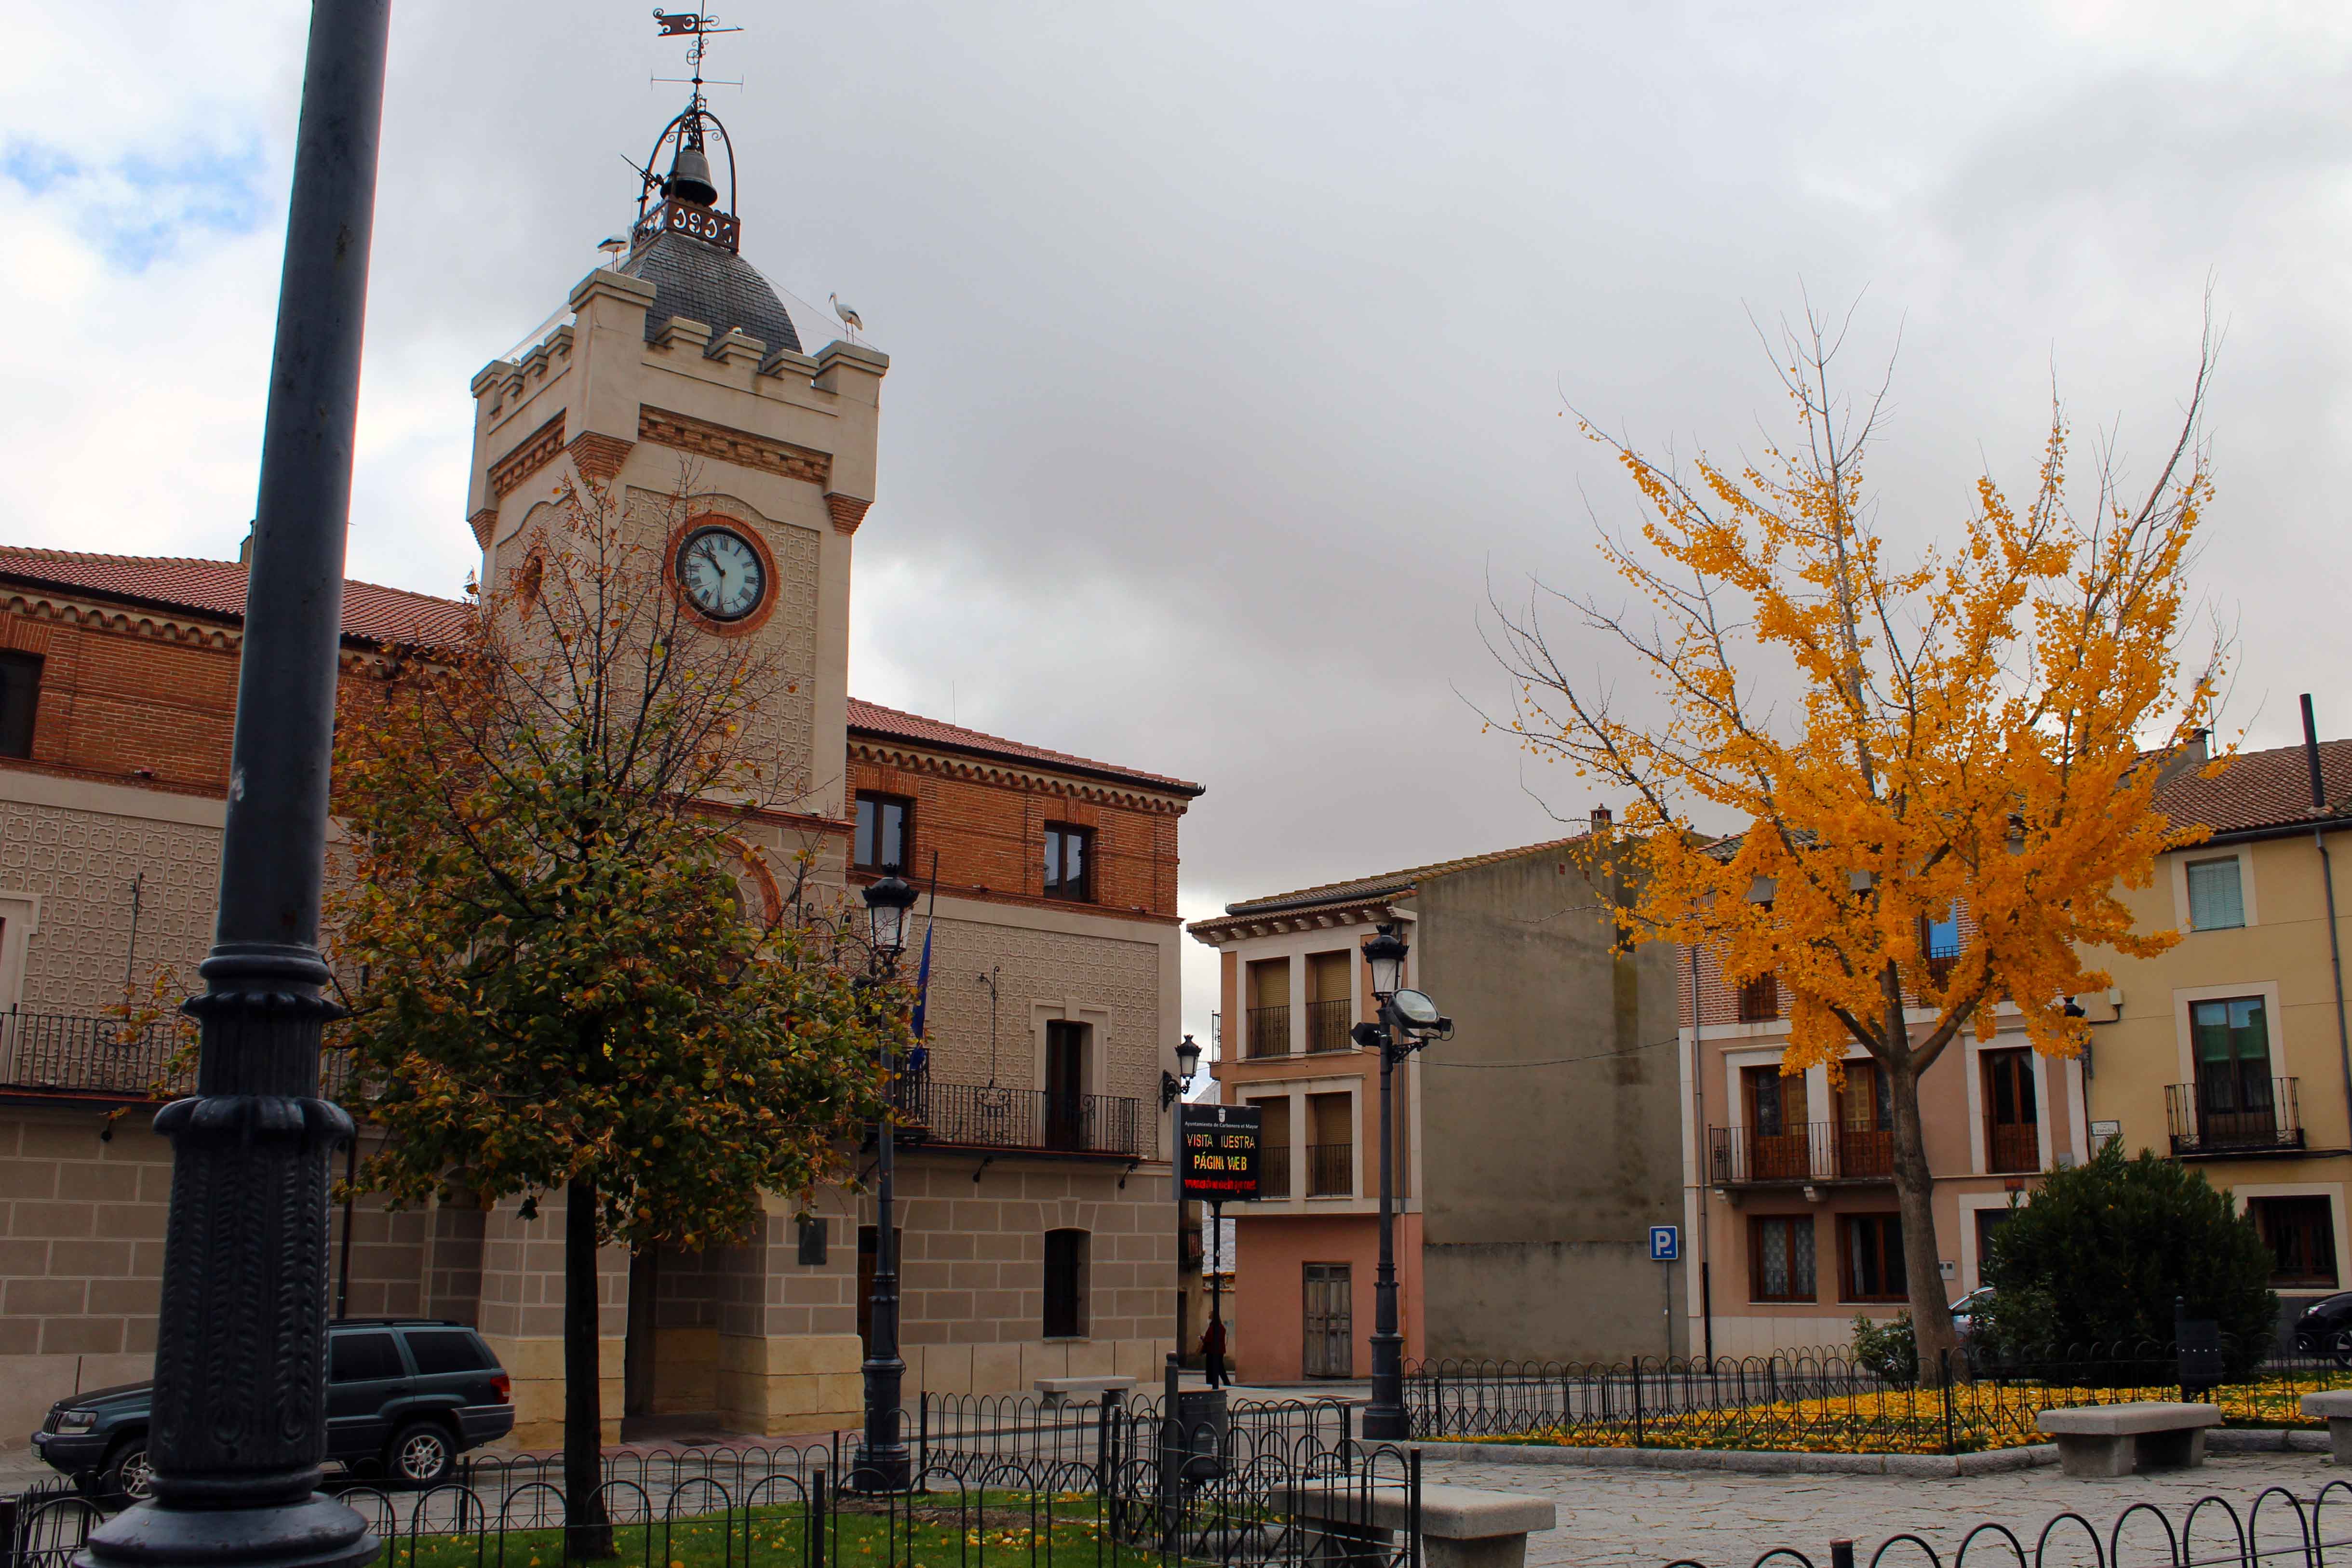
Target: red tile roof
2258 790
873 719
371 613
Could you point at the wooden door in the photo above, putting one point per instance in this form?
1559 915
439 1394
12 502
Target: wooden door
1331 1343
2012 1120
1065 1083
1779 1141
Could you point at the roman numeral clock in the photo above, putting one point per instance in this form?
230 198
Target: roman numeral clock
722 574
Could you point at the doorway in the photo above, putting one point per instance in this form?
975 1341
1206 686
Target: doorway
639 1350
2012 1125
1066 1086
1330 1344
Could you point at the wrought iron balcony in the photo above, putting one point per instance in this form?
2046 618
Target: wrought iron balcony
1331 1170
82 1054
984 1116
1273 1169
2235 1116
1810 1152
1269 1030
1327 1026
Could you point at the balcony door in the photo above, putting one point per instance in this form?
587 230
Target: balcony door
1778 1112
2236 1104
1866 1122
1066 1086
2011 1119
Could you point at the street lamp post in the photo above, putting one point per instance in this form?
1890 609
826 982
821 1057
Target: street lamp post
883 1466
1172 1089
238 1429
1408 1021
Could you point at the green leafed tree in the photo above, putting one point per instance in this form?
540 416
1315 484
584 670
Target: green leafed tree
2096 1257
563 987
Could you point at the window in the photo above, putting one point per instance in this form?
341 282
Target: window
1759 1000
1269 1006
1069 861
1065 1284
886 836
446 1349
1873 1257
1988 1224
362 1358
20 692
1781 1247
1866 1122
2216 901
1065 1084
1939 944
2301 1233
1779 1143
2012 1125
1331 1145
2234 1090
1329 976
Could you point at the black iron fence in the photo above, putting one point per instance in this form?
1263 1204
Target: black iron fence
71 1053
2276 1530
978 1115
1822 1401
1154 1495
960 1430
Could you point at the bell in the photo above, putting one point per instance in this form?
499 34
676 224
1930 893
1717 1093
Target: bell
689 177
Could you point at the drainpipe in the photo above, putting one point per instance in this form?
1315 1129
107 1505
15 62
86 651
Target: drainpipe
2328 880
1699 1158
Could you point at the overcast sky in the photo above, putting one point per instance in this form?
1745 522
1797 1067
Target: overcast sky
1230 343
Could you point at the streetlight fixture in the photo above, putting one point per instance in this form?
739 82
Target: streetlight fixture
1408 1021
883 1466
1172 1089
239 1402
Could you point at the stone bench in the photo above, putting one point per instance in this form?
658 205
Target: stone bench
1056 1390
2109 1440
2334 1407
1461 1527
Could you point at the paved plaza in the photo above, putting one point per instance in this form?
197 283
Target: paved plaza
1643 1519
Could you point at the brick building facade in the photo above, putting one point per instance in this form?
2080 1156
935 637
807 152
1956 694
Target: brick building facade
1038 1234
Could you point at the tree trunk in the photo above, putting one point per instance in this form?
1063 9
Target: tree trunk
1914 1199
590 1530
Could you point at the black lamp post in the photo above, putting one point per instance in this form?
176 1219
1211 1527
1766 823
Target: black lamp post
1172 1089
239 1421
884 1467
1408 1021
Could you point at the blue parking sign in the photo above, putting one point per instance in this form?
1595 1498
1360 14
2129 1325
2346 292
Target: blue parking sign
1666 1243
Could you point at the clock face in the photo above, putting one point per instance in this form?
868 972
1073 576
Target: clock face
722 574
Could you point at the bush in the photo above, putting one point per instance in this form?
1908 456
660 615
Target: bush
1889 1350
2094 1260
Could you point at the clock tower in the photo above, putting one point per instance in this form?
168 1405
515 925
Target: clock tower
678 382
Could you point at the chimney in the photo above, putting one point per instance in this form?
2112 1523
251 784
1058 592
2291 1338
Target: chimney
244 550
1600 818
2311 755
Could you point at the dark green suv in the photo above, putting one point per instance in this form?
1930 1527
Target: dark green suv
405 1395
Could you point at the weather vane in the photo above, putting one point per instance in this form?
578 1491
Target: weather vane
700 26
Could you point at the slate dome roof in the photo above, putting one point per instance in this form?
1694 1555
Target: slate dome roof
705 283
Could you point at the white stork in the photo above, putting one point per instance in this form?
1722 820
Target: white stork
849 316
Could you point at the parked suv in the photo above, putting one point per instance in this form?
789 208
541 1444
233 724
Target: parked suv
406 1394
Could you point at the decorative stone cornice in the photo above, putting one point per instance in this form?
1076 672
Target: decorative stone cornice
706 439
538 449
482 523
848 511
599 456
913 759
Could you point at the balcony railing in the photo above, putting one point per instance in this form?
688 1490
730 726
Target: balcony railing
78 1053
2244 1116
1273 1170
1327 1026
1269 1030
984 1116
1331 1170
1816 1152
2014 1148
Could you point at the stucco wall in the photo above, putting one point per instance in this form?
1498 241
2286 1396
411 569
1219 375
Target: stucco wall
1550 1140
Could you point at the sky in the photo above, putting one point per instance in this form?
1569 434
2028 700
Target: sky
1233 347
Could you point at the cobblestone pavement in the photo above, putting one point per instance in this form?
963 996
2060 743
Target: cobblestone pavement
1643 1519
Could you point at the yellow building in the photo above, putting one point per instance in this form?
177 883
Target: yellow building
2229 1050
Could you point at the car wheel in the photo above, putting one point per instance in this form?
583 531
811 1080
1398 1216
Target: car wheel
422 1454
2339 1345
128 1474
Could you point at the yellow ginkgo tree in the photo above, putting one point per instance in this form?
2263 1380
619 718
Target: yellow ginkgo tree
1839 749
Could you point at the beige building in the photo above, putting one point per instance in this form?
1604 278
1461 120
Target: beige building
1038 1234
2228 1051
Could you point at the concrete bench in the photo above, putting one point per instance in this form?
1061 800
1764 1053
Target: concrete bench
1461 1527
2334 1407
1054 1390
2109 1440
